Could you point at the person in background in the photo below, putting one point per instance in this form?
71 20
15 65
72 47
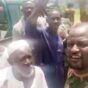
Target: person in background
69 12
52 53
18 31
77 56
22 73
49 47
63 31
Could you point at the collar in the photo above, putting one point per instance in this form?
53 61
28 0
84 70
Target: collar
82 77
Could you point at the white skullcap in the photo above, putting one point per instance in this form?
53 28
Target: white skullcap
17 45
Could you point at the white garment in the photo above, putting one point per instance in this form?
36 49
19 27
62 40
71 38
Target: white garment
42 23
3 57
7 79
18 31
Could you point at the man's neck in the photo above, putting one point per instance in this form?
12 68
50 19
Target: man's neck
53 31
81 74
24 17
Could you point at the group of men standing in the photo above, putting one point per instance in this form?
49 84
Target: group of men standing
36 42
41 29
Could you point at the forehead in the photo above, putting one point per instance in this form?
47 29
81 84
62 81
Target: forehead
55 14
27 5
79 31
79 34
25 49
22 52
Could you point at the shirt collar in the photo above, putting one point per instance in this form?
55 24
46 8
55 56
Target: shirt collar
82 77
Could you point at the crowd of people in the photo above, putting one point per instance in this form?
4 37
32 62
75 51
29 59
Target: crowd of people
47 51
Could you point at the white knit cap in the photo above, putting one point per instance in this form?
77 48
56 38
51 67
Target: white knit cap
17 45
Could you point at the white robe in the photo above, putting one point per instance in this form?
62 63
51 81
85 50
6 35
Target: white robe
7 79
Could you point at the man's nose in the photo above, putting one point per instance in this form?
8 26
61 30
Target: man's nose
27 61
75 48
55 21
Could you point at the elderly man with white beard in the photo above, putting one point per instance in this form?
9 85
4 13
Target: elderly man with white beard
22 73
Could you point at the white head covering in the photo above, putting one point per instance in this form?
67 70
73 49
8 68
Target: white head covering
17 45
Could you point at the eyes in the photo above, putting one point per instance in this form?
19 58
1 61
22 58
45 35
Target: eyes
80 44
58 18
25 57
21 56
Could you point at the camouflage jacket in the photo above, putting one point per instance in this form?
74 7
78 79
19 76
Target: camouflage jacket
74 81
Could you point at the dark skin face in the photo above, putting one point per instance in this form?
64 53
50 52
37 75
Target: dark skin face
54 20
27 10
77 48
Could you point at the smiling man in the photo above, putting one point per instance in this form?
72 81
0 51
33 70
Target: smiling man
22 73
77 52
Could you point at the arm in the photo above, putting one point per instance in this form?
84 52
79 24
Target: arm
38 10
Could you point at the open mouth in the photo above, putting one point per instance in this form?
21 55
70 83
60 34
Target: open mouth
75 58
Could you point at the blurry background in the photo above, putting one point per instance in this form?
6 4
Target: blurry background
10 12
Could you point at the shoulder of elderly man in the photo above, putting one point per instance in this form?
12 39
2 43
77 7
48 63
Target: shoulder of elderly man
4 73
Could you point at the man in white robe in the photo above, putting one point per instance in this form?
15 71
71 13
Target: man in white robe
22 73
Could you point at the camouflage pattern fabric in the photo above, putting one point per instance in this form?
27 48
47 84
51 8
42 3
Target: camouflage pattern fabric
75 82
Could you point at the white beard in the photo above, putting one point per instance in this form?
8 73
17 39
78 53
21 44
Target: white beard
26 73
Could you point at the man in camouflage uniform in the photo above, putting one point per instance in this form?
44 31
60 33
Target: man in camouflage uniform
77 52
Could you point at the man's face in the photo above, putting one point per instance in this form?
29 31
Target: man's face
55 20
77 49
27 10
22 61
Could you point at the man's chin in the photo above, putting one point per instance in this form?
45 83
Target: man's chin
24 73
76 67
